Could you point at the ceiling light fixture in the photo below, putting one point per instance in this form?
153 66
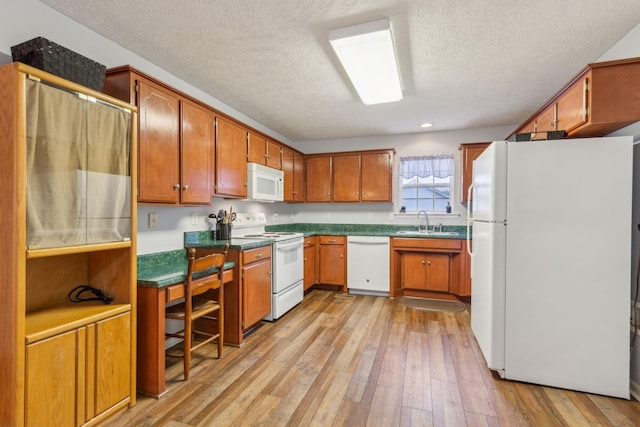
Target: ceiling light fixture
426 125
367 54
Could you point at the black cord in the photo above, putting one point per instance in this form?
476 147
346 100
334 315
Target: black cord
76 295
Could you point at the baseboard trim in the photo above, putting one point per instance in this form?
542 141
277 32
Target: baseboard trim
635 390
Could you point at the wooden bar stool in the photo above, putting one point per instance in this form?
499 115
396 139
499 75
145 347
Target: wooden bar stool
203 274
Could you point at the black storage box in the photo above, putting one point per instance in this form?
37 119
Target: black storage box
538 136
55 59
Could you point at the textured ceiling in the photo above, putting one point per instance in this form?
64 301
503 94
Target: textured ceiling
463 63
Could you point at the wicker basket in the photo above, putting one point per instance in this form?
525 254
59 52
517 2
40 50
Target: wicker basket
55 59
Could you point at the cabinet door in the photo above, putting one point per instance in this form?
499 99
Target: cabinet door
572 106
256 302
288 169
414 270
256 149
469 152
333 265
112 361
437 268
547 119
376 175
197 154
310 275
274 155
158 144
346 178
318 179
298 177
231 159
425 271
51 377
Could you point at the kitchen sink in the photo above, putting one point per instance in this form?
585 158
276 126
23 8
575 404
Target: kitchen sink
426 233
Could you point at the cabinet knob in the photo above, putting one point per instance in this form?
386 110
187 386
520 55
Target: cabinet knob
341 256
428 262
186 187
424 262
258 255
176 187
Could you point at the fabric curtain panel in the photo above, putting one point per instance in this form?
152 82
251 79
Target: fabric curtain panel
77 150
440 166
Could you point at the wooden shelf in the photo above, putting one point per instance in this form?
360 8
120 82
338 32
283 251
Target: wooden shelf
67 250
53 321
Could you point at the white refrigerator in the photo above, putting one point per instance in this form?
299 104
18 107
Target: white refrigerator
551 262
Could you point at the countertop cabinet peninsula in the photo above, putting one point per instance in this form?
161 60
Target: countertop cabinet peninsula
74 150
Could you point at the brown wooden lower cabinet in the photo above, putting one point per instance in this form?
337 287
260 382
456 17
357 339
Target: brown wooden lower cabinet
256 285
77 376
436 268
310 262
333 261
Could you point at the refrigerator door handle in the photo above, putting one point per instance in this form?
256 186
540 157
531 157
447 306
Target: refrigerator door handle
469 220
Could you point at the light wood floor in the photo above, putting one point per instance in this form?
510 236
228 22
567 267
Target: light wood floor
356 361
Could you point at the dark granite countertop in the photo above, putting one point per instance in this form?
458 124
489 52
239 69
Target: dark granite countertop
168 268
163 269
451 231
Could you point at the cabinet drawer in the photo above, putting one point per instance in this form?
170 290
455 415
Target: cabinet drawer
257 254
333 240
448 244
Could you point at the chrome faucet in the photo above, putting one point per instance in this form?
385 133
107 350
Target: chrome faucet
426 221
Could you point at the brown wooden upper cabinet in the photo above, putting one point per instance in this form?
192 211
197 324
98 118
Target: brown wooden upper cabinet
375 176
264 151
197 154
597 101
350 177
318 179
175 139
293 168
231 158
468 153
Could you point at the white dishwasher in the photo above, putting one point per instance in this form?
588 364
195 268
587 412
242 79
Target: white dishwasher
368 265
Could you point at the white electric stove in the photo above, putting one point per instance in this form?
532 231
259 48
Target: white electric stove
286 260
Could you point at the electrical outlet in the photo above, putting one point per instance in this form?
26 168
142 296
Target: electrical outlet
328 215
369 216
194 219
153 220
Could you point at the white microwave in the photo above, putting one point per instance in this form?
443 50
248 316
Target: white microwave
264 183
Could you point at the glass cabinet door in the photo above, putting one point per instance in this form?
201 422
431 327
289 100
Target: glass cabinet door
78 174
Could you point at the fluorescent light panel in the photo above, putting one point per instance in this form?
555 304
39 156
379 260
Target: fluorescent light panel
367 54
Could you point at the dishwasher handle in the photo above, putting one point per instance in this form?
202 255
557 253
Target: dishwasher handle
365 241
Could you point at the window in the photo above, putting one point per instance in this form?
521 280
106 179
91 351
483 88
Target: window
426 183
